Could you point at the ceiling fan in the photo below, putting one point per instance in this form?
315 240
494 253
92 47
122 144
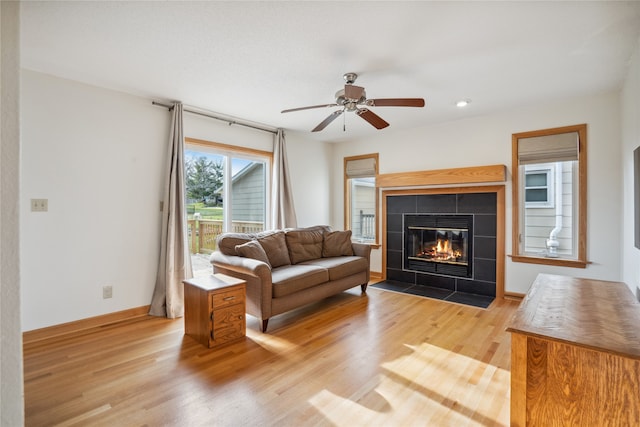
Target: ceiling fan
354 98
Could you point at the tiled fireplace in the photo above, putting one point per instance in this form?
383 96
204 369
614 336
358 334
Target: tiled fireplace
443 241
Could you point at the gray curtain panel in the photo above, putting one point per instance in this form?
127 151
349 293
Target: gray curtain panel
175 260
283 213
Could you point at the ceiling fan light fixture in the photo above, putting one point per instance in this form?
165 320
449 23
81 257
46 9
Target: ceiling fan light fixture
463 103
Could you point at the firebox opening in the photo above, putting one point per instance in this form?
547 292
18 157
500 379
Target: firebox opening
439 244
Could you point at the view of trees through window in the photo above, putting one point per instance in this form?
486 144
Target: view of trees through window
204 180
225 191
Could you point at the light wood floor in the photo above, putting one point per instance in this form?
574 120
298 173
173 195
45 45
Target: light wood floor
385 359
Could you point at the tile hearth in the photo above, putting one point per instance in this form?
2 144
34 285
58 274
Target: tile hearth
481 301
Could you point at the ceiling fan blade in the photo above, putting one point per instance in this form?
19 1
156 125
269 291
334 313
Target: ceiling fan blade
353 92
374 119
309 107
326 121
396 102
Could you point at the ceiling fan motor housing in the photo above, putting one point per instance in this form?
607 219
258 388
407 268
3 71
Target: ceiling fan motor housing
348 102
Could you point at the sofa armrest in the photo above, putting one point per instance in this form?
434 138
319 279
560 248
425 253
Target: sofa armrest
363 250
256 273
240 264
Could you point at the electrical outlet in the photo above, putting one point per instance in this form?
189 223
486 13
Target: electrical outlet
107 291
39 205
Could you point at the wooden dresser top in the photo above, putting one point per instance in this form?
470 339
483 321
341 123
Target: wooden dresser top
596 314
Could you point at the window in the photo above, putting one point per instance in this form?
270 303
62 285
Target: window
538 186
227 190
549 196
361 197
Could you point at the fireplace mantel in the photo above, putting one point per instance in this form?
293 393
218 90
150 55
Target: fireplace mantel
470 175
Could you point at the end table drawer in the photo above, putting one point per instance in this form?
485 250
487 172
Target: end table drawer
223 299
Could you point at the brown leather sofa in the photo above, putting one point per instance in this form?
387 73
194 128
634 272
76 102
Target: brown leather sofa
286 269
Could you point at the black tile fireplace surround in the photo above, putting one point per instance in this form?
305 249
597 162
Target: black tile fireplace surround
482 208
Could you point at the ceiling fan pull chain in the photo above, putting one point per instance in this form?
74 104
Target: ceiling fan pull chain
344 123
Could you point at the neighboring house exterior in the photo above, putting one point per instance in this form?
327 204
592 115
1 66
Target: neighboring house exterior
544 212
247 188
363 208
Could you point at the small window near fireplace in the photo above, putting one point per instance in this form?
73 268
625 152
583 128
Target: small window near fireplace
361 197
549 196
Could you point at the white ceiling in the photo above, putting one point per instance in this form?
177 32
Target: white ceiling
253 59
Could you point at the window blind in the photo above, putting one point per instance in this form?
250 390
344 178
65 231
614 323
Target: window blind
550 148
361 168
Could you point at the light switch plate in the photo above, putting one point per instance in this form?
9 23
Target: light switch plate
39 205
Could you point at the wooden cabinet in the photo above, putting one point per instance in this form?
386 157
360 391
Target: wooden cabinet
575 354
214 309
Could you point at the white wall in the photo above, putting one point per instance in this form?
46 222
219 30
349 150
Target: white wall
630 100
208 129
98 157
486 140
312 179
11 378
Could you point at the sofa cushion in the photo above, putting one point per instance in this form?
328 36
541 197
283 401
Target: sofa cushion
340 267
304 244
337 243
275 246
253 249
227 242
293 278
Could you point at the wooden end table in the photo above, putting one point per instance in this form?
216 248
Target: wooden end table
214 309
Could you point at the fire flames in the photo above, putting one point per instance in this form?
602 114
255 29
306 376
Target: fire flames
443 251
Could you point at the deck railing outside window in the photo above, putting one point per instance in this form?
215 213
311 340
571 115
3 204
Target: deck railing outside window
206 232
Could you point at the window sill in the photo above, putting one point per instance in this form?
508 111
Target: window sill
372 244
574 263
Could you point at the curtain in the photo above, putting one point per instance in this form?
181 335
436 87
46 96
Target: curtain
283 214
175 261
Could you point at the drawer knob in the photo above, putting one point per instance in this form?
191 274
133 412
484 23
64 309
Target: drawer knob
229 298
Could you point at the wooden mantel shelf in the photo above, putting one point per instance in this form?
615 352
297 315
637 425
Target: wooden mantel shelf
470 175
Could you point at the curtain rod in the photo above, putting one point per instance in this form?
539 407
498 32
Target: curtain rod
213 116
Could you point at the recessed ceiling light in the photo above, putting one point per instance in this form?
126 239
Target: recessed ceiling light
463 103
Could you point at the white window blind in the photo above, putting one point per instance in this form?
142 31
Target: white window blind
361 168
550 148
